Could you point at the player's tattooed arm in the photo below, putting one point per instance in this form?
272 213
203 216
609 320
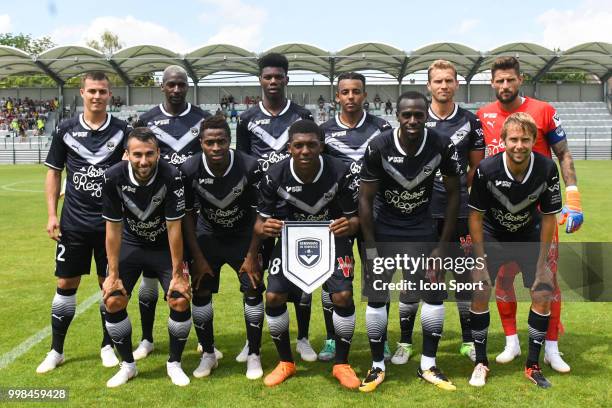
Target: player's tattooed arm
112 283
566 162
53 184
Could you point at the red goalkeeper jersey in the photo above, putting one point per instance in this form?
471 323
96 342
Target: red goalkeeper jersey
550 131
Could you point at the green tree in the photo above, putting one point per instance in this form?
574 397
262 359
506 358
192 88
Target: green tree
32 46
108 43
26 43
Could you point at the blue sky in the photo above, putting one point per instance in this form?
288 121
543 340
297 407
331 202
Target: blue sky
331 25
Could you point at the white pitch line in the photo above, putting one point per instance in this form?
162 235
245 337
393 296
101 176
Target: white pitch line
11 187
36 338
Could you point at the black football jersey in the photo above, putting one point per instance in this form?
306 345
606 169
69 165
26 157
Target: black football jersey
349 144
331 195
264 136
144 209
227 203
178 135
403 201
511 207
86 154
464 130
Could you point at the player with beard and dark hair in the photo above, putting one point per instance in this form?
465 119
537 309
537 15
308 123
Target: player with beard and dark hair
262 132
506 80
315 187
347 135
144 202
176 124
222 183
514 198
86 146
395 194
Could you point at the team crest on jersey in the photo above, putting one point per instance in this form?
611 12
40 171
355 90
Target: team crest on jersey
237 191
427 170
308 251
110 145
328 196
157 200
194 131
532 197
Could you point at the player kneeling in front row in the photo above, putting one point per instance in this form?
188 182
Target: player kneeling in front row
223 182
314 187
146 196
514 198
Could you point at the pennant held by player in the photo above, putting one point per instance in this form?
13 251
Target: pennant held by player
308 253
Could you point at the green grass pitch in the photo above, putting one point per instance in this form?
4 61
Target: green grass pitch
27 287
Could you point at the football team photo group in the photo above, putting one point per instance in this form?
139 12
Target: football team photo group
297 209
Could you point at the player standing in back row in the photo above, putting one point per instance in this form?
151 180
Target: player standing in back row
176 124
263 132
347 135
86 145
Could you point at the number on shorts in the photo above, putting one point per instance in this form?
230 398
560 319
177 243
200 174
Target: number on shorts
275 267
60 255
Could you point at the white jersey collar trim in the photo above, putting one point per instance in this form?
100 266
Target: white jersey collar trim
359 124
510 174
398 146
101 128
133 179
265 111
452 115
183 113
229 168
295 176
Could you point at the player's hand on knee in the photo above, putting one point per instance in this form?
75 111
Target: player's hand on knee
544 280
272 228
112 287
53 228
200 269
251 266
180 284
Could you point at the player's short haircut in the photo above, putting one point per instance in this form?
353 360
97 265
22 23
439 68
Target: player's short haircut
144 134
95 76
440 64
412 95
505 63
352 75
522 120
173 69
216 122
275 60
306 126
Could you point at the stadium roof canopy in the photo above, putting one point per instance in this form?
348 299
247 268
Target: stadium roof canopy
64 62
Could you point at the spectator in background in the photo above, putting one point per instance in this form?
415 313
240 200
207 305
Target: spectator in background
233 113
366 106
377 102
388 107
224 102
